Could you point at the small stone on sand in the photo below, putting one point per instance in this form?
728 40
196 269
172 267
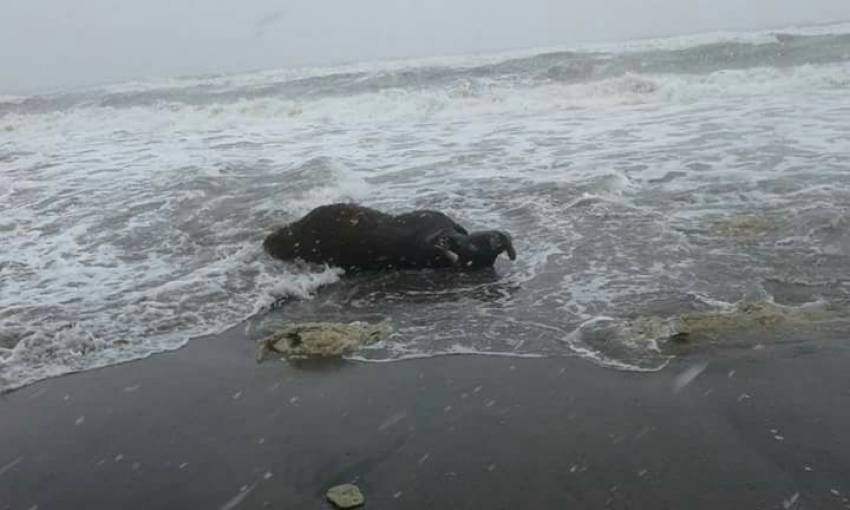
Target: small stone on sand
346 496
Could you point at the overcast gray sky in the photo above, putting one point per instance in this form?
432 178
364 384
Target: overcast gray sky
47 44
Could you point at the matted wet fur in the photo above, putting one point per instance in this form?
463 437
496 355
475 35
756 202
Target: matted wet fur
359 238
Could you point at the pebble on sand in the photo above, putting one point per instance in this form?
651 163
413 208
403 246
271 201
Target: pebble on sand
346 496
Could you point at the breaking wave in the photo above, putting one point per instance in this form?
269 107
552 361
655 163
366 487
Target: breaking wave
650 179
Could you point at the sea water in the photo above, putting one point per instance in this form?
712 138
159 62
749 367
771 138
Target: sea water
643 183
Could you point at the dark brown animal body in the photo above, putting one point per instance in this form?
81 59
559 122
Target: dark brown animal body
359 238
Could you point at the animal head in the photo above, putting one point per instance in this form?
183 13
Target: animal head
476 250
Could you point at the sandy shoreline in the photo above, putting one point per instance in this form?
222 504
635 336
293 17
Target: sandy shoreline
207 427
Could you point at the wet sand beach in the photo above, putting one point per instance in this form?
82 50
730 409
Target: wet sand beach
209 427
673 333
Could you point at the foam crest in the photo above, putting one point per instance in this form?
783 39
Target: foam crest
653 179
136 326
106 267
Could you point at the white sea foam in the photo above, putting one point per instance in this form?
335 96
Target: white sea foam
259 119
113 265
133 215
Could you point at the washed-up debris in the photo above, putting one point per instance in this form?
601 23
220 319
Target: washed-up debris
684 328
321 339
745 228
346 496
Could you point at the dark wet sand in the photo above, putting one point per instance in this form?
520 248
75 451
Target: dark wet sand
206 427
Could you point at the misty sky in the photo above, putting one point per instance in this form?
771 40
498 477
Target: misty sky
47 44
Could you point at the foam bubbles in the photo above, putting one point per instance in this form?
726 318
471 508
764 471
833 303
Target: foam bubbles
107 266
650 179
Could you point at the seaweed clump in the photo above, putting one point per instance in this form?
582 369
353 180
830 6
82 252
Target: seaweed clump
321 339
